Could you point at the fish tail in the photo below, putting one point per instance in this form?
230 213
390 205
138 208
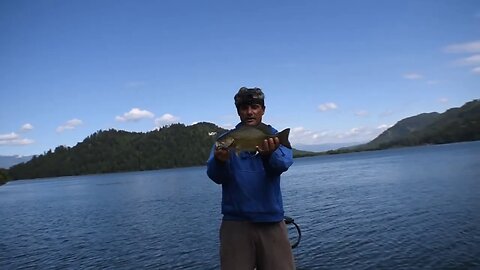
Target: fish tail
283 137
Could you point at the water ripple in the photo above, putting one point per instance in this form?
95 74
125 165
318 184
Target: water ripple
399 209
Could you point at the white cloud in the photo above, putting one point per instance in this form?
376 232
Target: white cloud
297 129
166 119
443 100
468 47
387 113
327 106
227 126
412 76
361 113
476 70
14 139
301 135
304 136
384 126
359 134
134 115
353 131
469 61
356 134
70 124
26 127
9 136
17 142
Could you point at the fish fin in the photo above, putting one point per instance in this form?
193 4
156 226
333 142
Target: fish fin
264 128
283 137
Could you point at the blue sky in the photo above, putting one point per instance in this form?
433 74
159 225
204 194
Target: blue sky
332 71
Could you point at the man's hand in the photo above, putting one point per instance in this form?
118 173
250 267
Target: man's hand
269 146
221 154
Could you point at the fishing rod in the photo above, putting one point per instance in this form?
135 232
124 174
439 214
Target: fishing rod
289 220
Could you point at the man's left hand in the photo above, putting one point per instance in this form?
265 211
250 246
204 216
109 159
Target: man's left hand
269 146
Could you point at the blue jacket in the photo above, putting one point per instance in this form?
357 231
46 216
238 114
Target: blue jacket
251 184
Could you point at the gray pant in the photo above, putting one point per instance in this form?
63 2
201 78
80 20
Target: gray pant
245 245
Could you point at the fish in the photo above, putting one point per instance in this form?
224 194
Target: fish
247 138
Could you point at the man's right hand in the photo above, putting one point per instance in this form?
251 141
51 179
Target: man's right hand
221 154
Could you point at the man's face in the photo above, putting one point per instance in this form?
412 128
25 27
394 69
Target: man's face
251 115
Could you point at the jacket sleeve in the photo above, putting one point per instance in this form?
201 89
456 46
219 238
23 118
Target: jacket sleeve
279 161
216 170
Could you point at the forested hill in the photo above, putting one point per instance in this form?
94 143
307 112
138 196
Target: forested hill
118 151
454 125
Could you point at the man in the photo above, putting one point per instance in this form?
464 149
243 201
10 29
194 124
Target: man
253 233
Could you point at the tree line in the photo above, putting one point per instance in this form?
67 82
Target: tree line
112 150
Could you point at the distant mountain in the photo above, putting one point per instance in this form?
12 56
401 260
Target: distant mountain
405 128
8 161
325 147
454 125
302 153
3 176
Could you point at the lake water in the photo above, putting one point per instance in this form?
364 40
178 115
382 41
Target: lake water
410 208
